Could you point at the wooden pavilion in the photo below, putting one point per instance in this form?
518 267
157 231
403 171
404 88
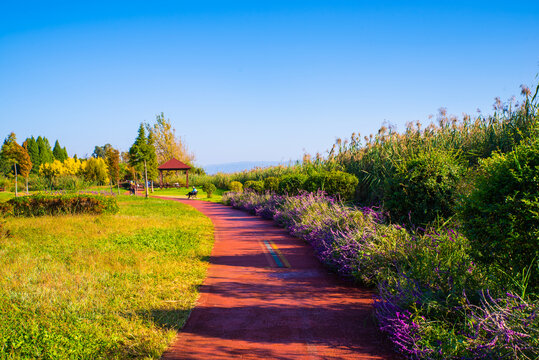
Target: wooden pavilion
174 165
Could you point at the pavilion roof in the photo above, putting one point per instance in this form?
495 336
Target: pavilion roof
174 164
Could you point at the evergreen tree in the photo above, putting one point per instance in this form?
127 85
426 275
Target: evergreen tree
59 153
45 152
33 151
142 155
5 162
64 151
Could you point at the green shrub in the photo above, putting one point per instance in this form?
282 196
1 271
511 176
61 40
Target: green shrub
271 184
292 184
501 215
235 186
209 188
6 183
6 208
37 183
69 182
423 186
44 204
315 182
256 186
338 183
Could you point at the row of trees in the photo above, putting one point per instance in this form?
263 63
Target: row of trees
154 144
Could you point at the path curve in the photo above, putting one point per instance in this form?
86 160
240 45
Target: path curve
252 306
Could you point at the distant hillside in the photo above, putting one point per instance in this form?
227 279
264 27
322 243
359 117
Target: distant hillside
238 166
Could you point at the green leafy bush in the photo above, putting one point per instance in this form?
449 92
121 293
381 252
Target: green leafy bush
256 186
6 183
338 183
235 186
423 186
292 184
271 184
44 204
38 183
334 183
501 215
69 182
315 182
209 188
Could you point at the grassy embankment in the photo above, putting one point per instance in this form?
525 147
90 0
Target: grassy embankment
108 286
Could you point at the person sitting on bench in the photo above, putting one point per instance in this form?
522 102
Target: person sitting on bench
192 193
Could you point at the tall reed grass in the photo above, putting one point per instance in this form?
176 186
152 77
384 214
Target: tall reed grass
375 158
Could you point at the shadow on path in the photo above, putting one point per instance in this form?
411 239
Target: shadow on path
250 308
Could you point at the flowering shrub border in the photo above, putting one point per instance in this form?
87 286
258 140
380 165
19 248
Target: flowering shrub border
432 299
60 204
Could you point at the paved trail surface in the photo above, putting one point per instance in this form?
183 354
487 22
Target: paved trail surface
253 306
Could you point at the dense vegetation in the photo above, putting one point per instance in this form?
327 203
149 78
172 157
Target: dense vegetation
43 168
444 222
46 204
110 286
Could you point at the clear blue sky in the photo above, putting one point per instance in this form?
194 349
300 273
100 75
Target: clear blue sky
254 80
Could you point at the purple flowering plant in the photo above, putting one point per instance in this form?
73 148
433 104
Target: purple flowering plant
431 298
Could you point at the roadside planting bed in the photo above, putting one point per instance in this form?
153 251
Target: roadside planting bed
433 301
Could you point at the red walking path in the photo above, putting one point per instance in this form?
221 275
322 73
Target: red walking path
253 306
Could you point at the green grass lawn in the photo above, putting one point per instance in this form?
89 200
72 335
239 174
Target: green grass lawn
6 195
182 193
101 287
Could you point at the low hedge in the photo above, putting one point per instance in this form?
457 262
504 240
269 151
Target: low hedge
292 184
256 186
271 184
44 204
235 186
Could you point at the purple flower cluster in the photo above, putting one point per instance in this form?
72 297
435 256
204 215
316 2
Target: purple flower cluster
504 327
422 278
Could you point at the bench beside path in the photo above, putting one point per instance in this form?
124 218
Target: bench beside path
266 296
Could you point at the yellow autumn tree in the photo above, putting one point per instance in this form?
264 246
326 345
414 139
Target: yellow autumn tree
18 157
51 170
95 170
167 144
72 166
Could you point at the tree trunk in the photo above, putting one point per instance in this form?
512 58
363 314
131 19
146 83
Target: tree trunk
16 180
111 187
27 185
136 185
145 179
152 186
118 184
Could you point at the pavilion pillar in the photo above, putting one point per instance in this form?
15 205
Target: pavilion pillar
186 178
161 182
